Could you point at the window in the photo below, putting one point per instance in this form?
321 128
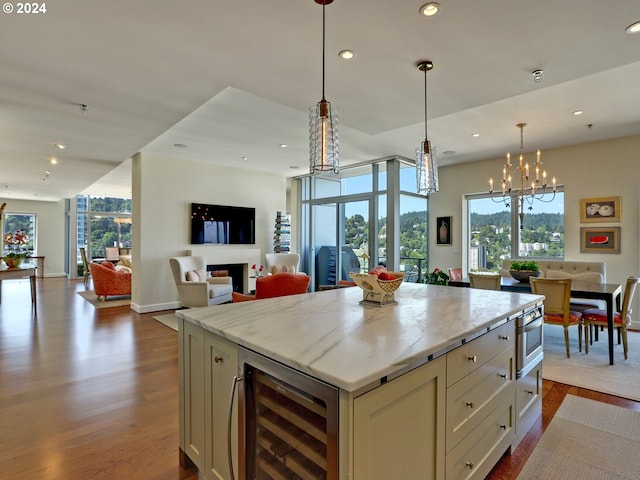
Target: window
495 233
19 233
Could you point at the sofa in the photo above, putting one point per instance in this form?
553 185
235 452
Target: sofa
579 271
109 281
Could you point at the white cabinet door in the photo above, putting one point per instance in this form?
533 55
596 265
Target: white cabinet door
399 427
220 364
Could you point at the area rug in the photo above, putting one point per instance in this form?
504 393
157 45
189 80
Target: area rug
170 320
592 371
587 440
110 302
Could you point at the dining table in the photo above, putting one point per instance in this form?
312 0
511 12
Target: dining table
23 271
607 292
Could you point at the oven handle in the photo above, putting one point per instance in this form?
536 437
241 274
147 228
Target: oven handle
534 324
236 380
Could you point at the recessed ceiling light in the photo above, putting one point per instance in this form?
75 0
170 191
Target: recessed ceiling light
347 54
180 145
294 167
429 9
578 112
53 161
60 146
475 134
244 158
633 28
448 152
283 145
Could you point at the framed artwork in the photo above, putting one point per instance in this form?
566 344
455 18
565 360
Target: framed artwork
443 231
600 210
600 239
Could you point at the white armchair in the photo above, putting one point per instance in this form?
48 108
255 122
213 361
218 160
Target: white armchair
195 289
282 262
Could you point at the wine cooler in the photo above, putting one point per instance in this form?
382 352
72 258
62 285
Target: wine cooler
288 422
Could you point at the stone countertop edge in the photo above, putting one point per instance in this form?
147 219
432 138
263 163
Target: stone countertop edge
330 336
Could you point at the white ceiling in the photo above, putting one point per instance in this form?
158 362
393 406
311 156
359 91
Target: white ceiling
235 79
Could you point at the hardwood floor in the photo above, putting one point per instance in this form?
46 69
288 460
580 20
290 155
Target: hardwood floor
93 394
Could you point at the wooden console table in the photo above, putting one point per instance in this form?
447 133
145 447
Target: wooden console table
21 272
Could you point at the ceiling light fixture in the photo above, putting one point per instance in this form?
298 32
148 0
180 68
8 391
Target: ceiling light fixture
430 9
633 28
53 161
527 193
347 54
475 134
538 75
426 166
578 112
323 123
60 146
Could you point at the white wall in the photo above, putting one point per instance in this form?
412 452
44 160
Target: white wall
50 225
163 190
600 169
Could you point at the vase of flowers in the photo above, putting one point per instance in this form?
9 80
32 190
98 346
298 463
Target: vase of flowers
437 277
257 270
15 248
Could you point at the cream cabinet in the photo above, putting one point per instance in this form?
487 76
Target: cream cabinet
208 364
480 403
398 428
528 401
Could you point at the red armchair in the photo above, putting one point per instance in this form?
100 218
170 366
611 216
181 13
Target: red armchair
278 285
108 281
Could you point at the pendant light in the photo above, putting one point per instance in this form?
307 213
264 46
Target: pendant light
426 166
323 124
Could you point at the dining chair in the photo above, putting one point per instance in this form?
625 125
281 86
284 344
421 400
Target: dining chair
455 274
111 254
557 295
621 320
485 281
85 265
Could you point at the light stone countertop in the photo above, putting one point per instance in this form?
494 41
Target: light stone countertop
330 336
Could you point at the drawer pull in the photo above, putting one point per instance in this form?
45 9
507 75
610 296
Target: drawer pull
504 337
469 465
217 359
473 358
530 392
469 404
502 375
503 427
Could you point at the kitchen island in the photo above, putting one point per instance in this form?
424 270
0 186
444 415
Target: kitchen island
402 371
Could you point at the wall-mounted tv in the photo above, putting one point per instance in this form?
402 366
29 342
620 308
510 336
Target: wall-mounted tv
220 224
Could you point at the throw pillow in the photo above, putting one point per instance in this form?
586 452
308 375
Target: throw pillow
108 265
196 276
123 268
282 269
125 260
591 277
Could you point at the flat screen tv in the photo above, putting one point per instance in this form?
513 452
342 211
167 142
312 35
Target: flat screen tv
220 224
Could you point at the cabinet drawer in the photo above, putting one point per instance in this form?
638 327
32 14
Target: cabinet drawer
467 358
476 455
471 399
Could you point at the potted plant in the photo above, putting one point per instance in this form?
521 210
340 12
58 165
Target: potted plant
437 277
522 270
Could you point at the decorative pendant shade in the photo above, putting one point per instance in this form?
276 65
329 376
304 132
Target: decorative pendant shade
426 165
323 124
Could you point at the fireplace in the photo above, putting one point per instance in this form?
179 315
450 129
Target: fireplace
235 271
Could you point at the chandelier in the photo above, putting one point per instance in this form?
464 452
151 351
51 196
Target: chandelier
528 192
323 124
426 166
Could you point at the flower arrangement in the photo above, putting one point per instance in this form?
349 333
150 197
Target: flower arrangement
15 244
257 270
437 277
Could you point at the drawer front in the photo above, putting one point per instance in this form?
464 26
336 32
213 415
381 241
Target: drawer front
471 399
476 455
467 358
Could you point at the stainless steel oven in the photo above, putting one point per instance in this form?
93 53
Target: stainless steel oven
288 422
529 339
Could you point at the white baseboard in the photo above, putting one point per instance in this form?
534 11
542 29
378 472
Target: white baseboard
154 308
